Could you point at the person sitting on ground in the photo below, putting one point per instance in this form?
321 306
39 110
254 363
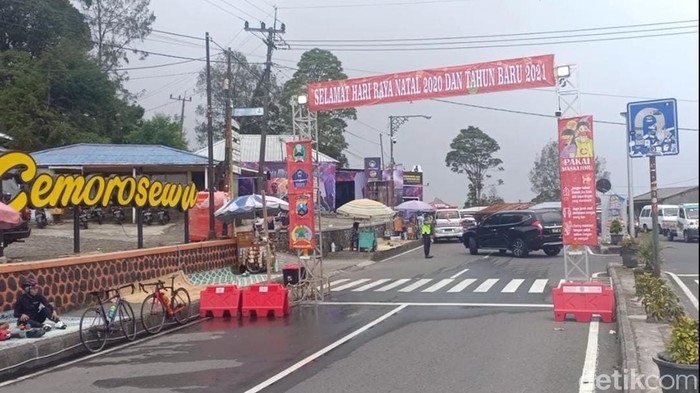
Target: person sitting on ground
33 309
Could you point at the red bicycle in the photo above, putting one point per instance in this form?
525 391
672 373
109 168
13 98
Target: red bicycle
157 306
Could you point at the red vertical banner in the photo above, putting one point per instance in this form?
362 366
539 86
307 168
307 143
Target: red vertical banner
300 194
577 180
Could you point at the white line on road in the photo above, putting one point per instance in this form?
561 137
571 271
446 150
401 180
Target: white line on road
686 275
371 285
587 381
513 285
324 351
460 273
462 285
538 286
336 282
685 289
418 304
438 285
393 285
486 285
350 285
416 285
402 254
697 282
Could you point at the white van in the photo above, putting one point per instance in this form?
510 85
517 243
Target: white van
686 223
667 216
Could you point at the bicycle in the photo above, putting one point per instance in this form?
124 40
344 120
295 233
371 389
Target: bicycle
96 323
157 306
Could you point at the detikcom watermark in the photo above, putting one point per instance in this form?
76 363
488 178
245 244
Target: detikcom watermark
632 379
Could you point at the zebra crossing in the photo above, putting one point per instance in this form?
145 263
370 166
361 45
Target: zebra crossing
445 285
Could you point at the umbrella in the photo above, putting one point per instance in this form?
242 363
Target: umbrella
246 206
9 217
365 209
415 206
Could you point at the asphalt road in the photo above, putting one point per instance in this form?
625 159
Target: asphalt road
680 261
443 335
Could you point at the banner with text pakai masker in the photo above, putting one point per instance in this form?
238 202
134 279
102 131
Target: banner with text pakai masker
577 180
300 194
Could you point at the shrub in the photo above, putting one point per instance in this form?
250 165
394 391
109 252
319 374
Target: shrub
629 243
682 346
660 301
615 226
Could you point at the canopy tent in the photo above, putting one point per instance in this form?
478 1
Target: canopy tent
246 206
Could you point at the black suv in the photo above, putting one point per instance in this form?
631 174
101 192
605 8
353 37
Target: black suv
520 231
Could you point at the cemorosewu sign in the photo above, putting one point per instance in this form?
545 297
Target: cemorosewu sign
501 75
71 190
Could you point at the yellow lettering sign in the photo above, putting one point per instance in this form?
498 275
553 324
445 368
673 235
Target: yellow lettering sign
67 190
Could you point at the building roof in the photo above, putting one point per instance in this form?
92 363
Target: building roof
546 206
664 193
275 149
96 154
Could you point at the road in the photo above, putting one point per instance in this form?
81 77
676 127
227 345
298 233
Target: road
680 261
454 323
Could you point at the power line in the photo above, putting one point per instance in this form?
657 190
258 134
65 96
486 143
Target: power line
503 34
178 34
163 76
155 66
362 138
225 10
159 106
617 123
490 46
369 4
607 33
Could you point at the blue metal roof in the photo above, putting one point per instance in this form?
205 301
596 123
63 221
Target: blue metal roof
96 154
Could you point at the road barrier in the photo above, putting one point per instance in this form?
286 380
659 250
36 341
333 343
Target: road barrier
264 298
583 300
219 300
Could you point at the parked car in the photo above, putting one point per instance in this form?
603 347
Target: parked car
520 231
666 214
20 232
448 224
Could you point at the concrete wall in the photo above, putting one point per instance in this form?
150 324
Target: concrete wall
68 281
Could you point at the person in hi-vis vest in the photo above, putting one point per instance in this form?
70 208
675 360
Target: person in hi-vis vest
426 230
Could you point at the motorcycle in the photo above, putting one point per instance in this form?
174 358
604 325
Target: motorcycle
147 216
118 214
163 216
84 217
40 217
96 213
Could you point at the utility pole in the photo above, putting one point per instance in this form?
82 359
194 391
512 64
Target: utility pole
227 133
182 112
210 142
381 145
270 42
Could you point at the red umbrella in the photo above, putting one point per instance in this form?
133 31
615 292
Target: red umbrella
9 217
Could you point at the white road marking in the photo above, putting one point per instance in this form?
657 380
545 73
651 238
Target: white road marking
587 381
430 304
371 285
486 285
687 275
685 289
538 286
512 286
403 253
351 284
460 273
438 285
324 351
462 285
416 285
697 282
336 282
393 285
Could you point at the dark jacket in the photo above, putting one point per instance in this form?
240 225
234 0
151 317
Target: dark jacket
28 304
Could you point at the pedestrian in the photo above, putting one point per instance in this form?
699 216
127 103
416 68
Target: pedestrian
33 309
355 237
426 230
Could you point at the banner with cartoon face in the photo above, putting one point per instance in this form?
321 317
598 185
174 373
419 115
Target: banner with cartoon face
300 195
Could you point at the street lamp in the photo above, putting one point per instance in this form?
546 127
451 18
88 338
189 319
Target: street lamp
630 174
394 123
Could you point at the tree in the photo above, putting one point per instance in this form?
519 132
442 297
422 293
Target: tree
544 175
245 79
472 154
159 130
314 66
115 24
36 25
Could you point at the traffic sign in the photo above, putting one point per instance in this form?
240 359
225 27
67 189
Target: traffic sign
239 112
652 128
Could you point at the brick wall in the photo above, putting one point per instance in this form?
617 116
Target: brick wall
68 281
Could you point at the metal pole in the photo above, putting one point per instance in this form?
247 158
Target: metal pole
654 216
210 142
391 161
139 227
630 181
76 229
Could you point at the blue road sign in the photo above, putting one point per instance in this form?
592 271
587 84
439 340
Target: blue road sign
652 128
